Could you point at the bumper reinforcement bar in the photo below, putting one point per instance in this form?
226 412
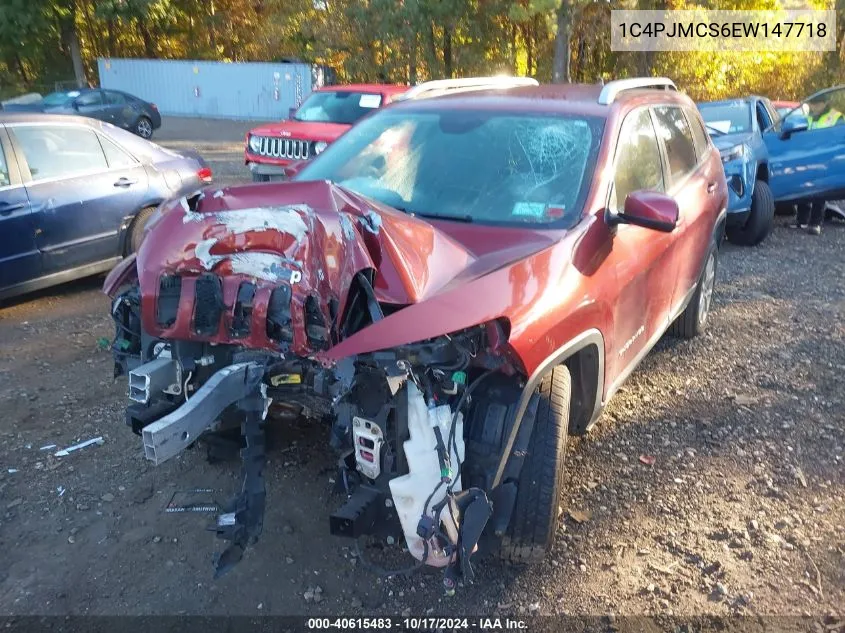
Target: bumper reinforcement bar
173 433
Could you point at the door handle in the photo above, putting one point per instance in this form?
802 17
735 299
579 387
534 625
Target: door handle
711 187
125 182
6 209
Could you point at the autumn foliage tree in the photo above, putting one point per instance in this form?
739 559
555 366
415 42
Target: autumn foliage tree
47 41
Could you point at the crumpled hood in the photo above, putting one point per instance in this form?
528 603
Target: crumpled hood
311 237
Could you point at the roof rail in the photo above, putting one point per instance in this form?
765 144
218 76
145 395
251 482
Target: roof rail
442 86
612 89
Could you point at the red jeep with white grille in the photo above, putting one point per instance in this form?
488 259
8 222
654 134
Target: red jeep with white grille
326 114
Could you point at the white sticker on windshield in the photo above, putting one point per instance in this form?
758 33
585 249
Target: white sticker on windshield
74 93
370 101
529 209
722 126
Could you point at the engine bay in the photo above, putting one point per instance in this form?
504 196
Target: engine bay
409 426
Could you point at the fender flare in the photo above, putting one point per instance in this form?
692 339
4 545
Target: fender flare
583 340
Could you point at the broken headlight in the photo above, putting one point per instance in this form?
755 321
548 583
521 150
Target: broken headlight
732 153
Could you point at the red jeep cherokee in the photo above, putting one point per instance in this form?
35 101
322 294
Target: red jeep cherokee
326 114
454 287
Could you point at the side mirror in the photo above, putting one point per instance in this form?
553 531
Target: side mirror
291 113
648 209
791 125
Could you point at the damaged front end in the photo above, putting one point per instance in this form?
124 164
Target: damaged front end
233 305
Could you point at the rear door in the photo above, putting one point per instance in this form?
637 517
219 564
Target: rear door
641 256
79 192
808 163
20 260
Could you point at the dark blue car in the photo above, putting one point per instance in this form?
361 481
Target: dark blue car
737 128
112 106
75 194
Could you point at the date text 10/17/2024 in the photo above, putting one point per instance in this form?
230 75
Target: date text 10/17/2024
417 624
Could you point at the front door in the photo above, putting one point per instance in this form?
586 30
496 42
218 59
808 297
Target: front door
78 199
20 260
809 162
640 255
695 184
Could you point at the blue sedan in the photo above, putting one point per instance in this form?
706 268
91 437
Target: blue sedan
75 194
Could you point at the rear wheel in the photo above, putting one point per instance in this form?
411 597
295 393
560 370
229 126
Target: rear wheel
761 218
693 319
136 232
144 127
535 516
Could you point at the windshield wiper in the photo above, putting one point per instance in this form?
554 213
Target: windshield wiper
714 130
437 216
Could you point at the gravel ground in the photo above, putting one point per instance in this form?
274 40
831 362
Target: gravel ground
713 484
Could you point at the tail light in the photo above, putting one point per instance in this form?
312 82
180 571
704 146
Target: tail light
204 174
154 107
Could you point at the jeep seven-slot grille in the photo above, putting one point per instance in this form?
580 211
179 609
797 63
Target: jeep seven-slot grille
279 326
208 307
294 149
243 310
169 293
315 326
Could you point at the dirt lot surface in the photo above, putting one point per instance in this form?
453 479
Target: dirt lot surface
714 483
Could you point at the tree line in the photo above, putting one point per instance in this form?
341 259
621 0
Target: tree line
50 43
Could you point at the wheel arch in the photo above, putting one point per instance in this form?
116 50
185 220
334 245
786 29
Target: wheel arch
763 171
584 356
128 223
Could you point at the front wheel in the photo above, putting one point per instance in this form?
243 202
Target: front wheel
761 218
535 516
693 319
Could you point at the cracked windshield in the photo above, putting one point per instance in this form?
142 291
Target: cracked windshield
466 165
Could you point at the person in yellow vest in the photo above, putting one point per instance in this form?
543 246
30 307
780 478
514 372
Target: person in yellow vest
821 115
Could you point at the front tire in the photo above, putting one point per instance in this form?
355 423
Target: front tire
761 218
693 319
535 516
